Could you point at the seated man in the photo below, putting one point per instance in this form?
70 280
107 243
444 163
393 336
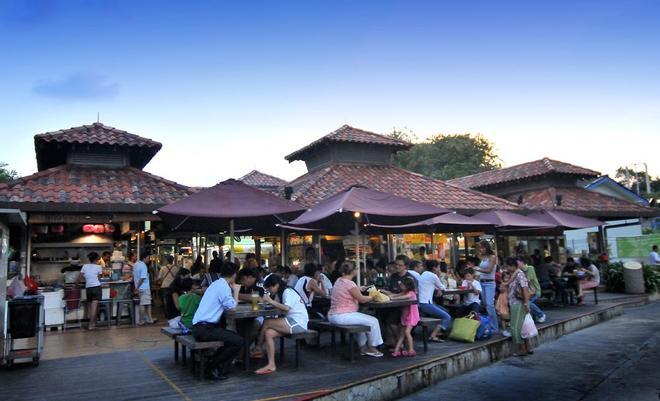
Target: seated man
248 278
221 295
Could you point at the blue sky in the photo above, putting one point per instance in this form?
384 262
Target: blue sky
229 87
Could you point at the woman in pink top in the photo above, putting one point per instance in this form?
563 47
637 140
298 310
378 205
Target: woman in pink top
346 297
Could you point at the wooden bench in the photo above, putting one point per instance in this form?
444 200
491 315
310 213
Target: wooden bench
351 330
173 334
298 338
199 349
425 323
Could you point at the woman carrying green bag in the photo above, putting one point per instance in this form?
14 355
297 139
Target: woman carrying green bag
519 295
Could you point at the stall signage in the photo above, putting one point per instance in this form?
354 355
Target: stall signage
98 228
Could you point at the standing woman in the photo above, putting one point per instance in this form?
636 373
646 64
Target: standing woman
294 322
91 272
487 269
519 295
346 298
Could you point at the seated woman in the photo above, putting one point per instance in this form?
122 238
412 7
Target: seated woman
589 277
346 296
310 285
295 321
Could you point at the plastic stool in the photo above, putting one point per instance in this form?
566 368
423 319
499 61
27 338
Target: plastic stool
120 308
105 306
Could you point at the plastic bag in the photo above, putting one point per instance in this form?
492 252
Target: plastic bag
528 329
484 331
378 296
16 288
174 322
31 287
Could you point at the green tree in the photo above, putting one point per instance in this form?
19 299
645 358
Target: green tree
447 156
630 178
6 174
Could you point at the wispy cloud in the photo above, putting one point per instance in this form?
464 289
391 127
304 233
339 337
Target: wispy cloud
77 86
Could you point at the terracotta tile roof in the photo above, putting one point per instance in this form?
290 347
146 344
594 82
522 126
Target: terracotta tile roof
323 183
582 202
97 133
261 180
70 185
347 133
521 171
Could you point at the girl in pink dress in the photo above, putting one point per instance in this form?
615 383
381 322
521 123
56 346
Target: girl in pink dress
409 318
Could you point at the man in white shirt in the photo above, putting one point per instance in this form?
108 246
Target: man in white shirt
654 258
429 282
220 296
143 288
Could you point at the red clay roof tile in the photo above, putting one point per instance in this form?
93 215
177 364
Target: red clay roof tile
582 202
97 133
525 170
347 133
72 185
323 183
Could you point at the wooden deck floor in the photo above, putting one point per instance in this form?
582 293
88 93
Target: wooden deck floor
149 372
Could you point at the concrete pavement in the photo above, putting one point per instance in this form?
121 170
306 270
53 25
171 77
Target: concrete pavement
618 360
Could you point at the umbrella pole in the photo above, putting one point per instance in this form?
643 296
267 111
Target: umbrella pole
231 240
357 251
282 246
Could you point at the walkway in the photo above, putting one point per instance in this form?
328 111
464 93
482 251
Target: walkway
137 363
618 360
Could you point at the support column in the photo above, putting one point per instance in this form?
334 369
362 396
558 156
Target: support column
257 249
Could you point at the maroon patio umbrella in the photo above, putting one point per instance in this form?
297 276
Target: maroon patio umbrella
228 207
450 222
344 212
504 220
565 221
340 212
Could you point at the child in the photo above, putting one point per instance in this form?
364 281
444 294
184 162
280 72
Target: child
472 301
409 318
188 302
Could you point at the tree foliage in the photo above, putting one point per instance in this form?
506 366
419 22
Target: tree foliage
447 156
6 174
629 178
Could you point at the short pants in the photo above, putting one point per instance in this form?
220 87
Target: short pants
93 293
294 327
145 297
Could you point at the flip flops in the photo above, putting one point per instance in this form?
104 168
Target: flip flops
436 340
264 371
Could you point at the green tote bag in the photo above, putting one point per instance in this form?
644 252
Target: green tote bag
465 328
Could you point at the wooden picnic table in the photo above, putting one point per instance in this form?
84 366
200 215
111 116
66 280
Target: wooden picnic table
244 311
397 303
442 301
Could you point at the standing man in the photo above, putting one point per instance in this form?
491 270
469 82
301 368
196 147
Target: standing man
91 272
654 258
392 316
221 295
105 260
143 288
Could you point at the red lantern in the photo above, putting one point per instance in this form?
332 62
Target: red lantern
109 228
99 229
88 228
